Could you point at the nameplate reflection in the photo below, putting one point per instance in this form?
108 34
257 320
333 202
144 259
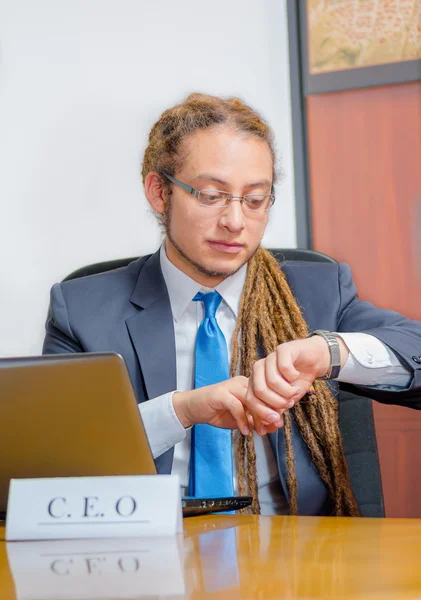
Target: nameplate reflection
88 569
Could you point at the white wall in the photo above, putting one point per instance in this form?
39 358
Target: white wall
81 83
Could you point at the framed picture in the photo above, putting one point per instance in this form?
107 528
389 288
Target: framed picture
348 44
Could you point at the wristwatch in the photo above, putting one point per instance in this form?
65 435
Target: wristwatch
335 354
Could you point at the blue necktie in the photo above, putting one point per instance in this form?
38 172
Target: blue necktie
211 454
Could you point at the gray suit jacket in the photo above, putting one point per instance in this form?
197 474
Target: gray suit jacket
128 311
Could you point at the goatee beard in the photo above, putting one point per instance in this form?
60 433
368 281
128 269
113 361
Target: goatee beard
166 221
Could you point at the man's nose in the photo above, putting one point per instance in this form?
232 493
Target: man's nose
233 216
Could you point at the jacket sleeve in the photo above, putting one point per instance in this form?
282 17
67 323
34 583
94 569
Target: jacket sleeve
401 335
59 338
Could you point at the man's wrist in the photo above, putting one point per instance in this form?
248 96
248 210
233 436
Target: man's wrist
179 404
344 350
335 353
323 354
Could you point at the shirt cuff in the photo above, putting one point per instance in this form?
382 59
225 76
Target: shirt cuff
371 363
161 423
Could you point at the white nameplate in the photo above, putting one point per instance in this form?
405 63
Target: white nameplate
93 507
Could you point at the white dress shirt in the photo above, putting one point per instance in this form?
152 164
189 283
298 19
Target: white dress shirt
370 362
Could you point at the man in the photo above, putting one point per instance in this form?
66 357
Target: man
208 173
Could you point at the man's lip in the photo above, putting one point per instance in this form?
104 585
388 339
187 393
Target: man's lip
224 243
227 247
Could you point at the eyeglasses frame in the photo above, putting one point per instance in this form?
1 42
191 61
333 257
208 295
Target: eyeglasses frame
191 190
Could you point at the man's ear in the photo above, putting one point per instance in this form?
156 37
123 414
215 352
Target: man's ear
155 192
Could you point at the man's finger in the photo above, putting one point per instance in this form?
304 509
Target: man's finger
259 386
272 428
262 414
237 410
285 363
275 381
238 386
250 420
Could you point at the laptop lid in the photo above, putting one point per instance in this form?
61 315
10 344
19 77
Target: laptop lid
69 415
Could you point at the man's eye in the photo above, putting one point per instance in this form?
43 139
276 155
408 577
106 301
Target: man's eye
256 201
211 197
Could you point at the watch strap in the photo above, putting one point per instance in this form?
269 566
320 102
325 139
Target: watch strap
335 354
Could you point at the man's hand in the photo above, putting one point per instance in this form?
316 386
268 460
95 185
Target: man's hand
284 377
221 405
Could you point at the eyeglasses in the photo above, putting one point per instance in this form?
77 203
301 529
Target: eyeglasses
217 199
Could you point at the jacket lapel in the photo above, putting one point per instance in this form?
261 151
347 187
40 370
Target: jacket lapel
152 330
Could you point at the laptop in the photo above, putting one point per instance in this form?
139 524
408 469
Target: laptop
76 415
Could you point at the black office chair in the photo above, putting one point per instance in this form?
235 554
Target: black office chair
356 420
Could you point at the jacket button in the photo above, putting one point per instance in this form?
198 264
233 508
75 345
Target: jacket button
417 359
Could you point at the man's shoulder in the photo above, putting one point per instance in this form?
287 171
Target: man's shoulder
319 289
317 281
107 295
114 279
309 270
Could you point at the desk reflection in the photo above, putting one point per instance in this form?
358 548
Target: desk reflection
227 557
305 557
97 569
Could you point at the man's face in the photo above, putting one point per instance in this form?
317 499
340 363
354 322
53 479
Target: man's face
209 244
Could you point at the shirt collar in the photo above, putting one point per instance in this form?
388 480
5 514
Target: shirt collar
182 288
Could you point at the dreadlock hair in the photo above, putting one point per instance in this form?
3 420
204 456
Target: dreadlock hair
269 314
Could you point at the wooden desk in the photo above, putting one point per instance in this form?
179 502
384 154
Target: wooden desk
233 557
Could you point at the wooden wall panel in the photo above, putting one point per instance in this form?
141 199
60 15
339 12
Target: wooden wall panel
399 437
365 178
